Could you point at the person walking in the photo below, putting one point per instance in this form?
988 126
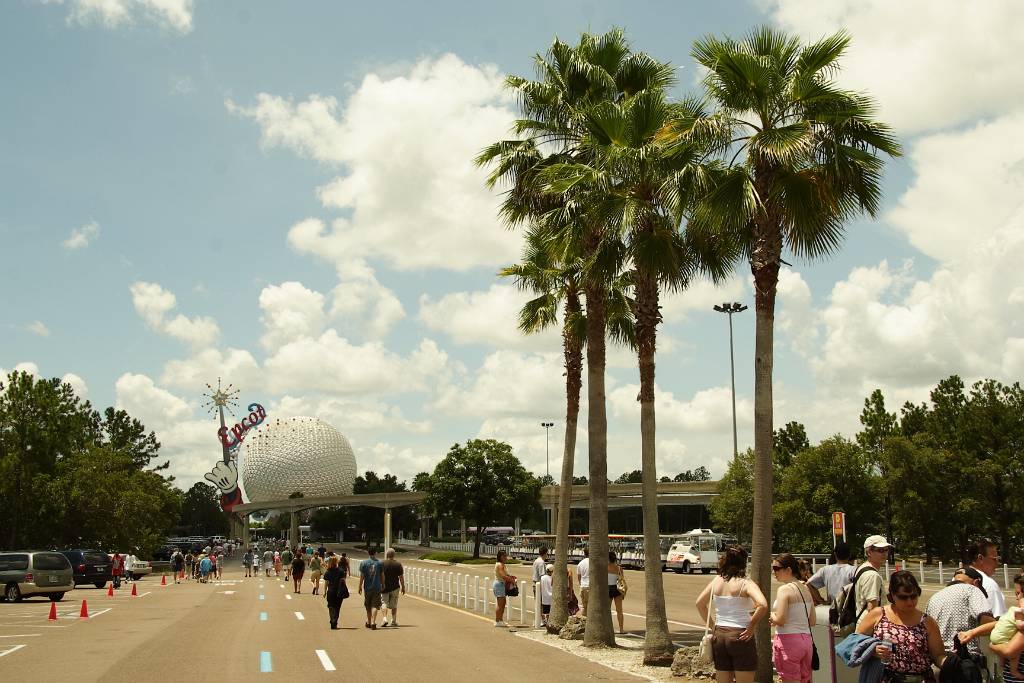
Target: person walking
315 572
213 565
204 568
286 559
190 566
343 565
739 606
268 561
583 575
297 569
832 577
117 568
911 641
335 591
539 566
178 565
868 584
792 616
616 587
501 581
984 557
277 563
545 593
393 578
247 562
370 587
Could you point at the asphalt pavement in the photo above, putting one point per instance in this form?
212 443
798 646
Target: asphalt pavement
239 628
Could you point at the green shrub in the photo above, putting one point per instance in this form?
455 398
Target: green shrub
446 556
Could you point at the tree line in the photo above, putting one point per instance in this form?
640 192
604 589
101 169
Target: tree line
933 477
624 192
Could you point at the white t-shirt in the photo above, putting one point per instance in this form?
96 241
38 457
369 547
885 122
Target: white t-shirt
539 566
996 601
583 572
545 589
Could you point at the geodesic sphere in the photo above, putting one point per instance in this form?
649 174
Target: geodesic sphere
292 454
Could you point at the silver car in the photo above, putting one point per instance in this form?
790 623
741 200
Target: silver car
27 573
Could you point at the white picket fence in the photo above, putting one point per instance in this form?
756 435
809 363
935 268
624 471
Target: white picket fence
471 592
490 550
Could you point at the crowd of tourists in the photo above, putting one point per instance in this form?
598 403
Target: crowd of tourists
879 625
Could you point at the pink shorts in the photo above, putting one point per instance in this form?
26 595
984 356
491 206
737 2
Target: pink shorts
791 654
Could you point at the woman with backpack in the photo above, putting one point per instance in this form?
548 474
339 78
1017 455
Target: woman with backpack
738 606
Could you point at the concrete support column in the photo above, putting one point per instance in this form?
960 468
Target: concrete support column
462 522
293 532
517 525
246 538
387 528
551 520
424 529
440 527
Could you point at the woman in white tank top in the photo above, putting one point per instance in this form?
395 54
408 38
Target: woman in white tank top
792 617
738 606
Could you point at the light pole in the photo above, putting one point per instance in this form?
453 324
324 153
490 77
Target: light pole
547 454
735 307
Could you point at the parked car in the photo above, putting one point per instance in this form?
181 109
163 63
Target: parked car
90 566
28 573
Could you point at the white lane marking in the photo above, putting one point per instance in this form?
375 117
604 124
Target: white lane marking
24 635
93 615
33 626
298 615
681 623
15 648
325 660
228 592
287 597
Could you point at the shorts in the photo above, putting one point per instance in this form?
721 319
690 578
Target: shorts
315 576
390 598
371 599
499 588
613 592
545 609
297 575
791 654
730 653
584 596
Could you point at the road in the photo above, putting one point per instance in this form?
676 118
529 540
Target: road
241 628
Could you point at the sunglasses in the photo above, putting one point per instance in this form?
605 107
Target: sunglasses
776 567
905 596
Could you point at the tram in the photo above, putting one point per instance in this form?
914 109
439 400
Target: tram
628 547
698 550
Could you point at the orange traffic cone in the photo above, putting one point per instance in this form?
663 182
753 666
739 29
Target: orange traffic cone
163 580
110 590
135 591
84 614
53 612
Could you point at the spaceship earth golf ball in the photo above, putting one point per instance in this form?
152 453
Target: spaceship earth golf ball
292 454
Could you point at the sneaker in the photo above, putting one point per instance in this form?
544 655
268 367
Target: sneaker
385 624
394 624
373 627
500 624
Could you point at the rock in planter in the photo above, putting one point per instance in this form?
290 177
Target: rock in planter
574 628
685 664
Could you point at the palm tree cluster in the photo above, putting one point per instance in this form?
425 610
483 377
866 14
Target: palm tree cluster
625 193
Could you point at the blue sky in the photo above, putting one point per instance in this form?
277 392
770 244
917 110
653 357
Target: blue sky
284 198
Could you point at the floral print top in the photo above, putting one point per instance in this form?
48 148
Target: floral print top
910 653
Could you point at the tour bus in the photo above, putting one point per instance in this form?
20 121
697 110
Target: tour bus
699 549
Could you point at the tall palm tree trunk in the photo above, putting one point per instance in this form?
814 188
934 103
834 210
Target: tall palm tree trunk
764 263
573 352
657 642
599 631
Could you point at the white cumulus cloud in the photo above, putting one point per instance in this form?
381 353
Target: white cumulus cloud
405 142
154 303
173 14
290 311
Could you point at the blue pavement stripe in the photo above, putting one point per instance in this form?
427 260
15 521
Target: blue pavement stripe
263 616
265 666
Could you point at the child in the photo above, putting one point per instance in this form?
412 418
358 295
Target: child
545 593
1007 632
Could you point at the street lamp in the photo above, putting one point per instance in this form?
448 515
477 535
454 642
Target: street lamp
547 454
734 307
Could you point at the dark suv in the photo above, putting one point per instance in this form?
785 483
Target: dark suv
90 566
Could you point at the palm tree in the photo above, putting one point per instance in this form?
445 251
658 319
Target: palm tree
649 173
559 285
803 158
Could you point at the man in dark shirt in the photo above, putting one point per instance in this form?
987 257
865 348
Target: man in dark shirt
394 580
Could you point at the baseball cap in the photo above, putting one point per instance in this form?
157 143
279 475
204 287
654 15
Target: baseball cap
876 541
549 568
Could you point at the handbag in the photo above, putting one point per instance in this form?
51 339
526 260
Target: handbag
620 584
815 662
511 590
704 651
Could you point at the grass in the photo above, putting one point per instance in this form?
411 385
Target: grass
452 557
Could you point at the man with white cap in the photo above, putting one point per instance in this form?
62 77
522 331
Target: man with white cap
870 586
